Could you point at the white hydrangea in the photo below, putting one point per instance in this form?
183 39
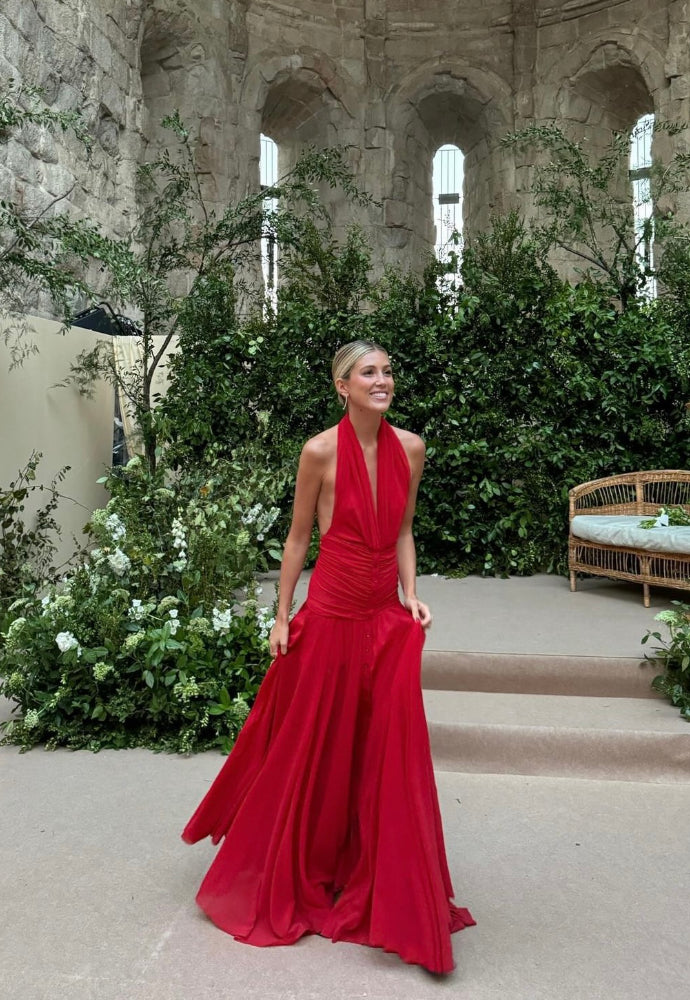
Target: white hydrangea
115 527
66 641
137 610
31 719
133 640
101 670
669 617
119 562
173 620
222 620
200 626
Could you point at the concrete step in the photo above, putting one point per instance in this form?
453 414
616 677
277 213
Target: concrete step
532 673
625 739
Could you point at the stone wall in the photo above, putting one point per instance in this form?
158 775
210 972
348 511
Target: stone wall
391 79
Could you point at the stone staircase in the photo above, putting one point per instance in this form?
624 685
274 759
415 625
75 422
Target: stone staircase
550 715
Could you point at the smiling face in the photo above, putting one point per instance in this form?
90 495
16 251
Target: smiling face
369 386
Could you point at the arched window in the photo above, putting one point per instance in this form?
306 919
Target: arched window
447 197
268 175
643 207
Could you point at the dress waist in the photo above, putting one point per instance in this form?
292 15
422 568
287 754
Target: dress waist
352 580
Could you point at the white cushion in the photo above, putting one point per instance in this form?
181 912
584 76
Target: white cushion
624 531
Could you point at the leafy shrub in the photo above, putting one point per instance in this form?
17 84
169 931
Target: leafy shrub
26 552
674 656
150 641
521 385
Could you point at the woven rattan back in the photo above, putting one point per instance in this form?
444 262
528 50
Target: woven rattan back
632 493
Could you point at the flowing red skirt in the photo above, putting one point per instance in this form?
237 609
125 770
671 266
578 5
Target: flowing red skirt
328 805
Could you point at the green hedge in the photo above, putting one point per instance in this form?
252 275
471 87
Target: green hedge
521 385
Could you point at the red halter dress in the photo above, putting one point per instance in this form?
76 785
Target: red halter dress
327 803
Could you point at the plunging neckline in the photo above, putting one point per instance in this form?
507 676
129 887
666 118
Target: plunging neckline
373 498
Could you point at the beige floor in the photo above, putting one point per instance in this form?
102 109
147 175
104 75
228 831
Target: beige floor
580 890
581 887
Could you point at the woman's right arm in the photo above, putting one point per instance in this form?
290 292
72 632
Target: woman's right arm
307 487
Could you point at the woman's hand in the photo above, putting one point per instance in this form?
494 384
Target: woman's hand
278 638
419 611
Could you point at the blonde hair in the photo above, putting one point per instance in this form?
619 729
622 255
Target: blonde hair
347 356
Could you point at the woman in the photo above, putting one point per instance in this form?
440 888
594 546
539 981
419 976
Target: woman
327 802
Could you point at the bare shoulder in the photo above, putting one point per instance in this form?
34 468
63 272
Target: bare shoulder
321 448
414 448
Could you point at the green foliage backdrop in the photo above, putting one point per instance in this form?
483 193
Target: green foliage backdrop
522 386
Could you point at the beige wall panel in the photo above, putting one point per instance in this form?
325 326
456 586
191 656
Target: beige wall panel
65 426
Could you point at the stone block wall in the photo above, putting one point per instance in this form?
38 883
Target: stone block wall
391 79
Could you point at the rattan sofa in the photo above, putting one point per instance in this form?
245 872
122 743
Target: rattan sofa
640 494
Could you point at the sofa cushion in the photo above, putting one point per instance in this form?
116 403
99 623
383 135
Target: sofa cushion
624 531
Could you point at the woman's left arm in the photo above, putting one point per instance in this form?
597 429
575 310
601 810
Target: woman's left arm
407 557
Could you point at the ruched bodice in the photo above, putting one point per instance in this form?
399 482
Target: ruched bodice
327 805
356 573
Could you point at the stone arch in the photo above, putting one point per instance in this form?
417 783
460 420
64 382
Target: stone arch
445 101
314 73
607 81
606 84
302 99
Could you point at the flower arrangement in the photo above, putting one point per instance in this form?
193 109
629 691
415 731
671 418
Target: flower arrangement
158 637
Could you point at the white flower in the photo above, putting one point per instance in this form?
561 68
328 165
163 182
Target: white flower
31 719
13 640
133 640
265 621
101 670
178 539
241 708
66 641
173 613
119 562
115 527
137 611
668 617
222 620
174 625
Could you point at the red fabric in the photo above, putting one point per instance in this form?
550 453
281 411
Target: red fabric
327 803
